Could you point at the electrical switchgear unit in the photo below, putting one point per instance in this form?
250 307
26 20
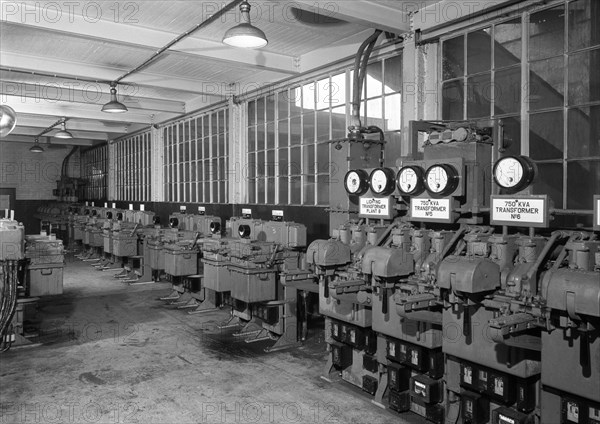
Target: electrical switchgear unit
264 268
451 296
183 261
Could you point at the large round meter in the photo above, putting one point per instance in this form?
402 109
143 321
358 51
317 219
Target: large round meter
514 173
441 179
356 182
382 181
410 180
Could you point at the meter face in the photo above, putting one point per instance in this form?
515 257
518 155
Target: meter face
356 182
378 181
352 182
437 179
508 172
410 180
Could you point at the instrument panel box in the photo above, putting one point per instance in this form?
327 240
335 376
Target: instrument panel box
475 407
427 389
369 384
399 401
504 415
398 377
341 355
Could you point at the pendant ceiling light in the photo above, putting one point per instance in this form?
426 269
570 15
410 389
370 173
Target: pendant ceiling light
36 148
63 133
114 106
8 120
245 34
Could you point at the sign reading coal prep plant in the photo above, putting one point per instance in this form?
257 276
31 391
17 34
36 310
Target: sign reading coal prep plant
375 207
530 211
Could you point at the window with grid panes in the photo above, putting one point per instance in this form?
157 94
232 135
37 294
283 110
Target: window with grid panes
133 168
289 132
481 73
196 158
94 163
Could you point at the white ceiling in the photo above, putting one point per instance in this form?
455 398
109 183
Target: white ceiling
57 58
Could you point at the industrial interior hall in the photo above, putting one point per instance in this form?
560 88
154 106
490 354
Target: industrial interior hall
378 211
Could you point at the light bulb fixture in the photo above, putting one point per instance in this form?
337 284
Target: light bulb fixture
63 133
114 106
8 120
36 148
245 34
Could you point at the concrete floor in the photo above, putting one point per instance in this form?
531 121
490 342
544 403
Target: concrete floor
113 353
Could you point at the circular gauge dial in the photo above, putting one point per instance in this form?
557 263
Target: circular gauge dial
441 180
356 182
514 173
382 181
410 180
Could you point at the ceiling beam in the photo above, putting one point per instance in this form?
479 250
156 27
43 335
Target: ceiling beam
42 122
106 30
27 85
43 140
55 92
86 111
368 13
32 132
103 74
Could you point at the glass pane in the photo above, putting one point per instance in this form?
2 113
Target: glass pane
270 191
214 123
282 104
323 126
546 135
260 164
323 190
374 80
309 190
309 159
199 189
260 137
479 95
547 33
295 130
283 190
584 77
392 112
295 161
270 108
252 191
507 43
579 196
283 161
260 111
251 139
270 135
323 94
584 24
546 84
283 133
374 112
323 158
338 90
215 169
308 136
308 97
214 145
295 101
479 49
550 181
223 192
507 91
584 132
207 170
393 75
295 190
251 113
512 135
199 171
222 168
270 164
260 191
452 100
453 59
338 122
251 170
